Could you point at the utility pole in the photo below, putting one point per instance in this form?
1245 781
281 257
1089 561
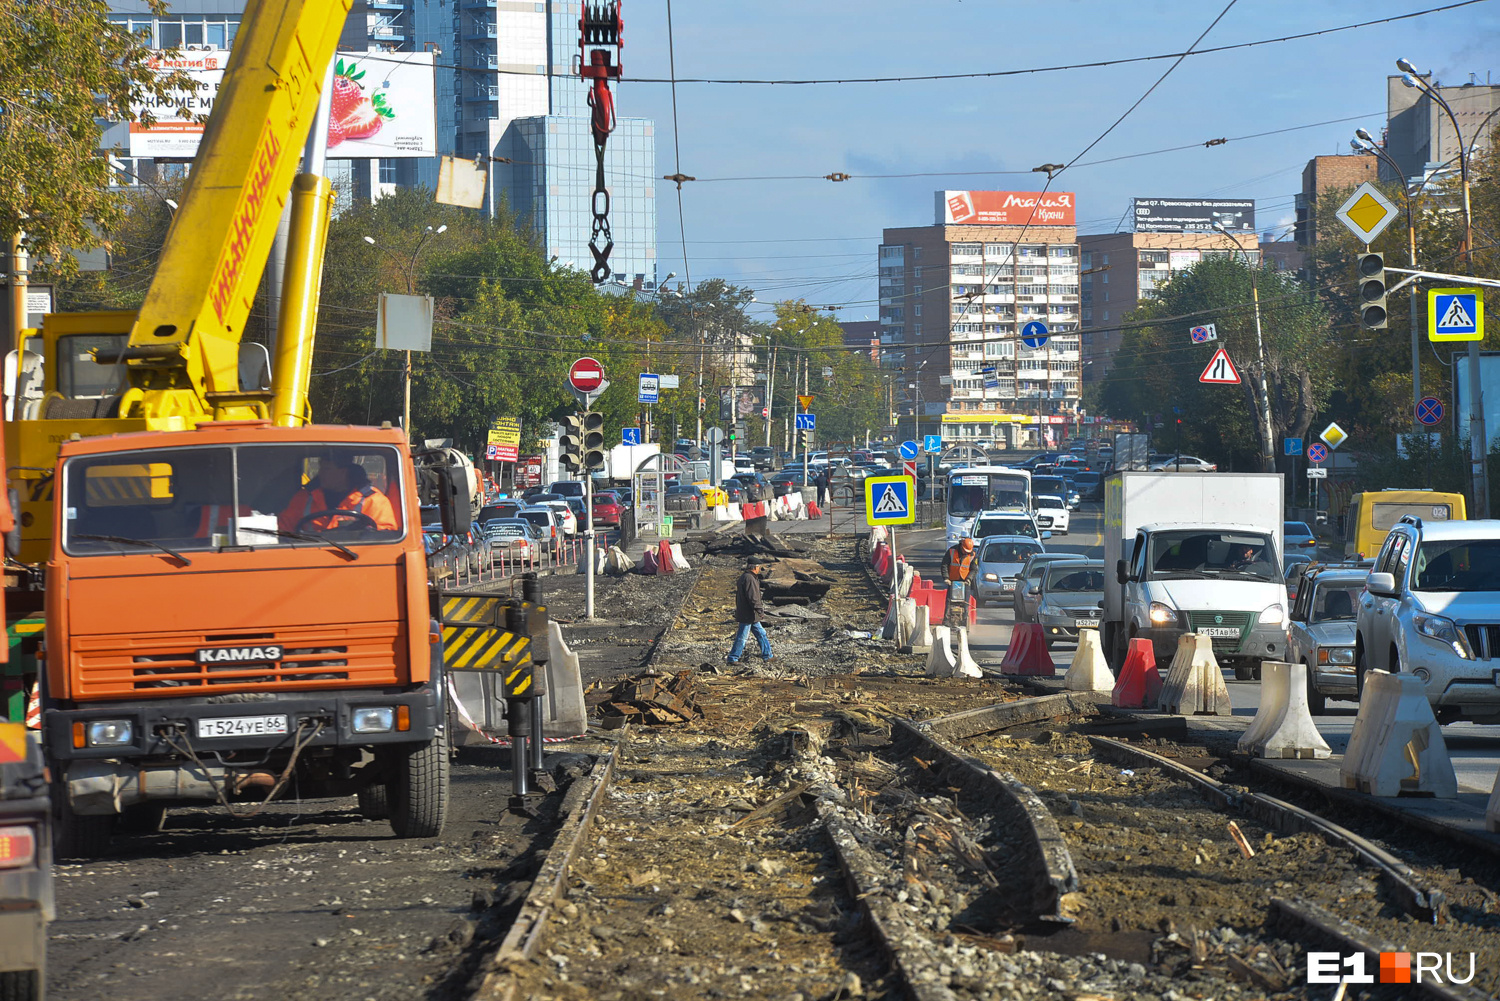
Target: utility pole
20 271
770 392
1267 435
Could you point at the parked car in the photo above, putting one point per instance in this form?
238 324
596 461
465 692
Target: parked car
988 523
1184 464
1296 536
1068 598
546 519
607 509
1000 560
1430 608
1322 632
516 538
1025 599
1052 514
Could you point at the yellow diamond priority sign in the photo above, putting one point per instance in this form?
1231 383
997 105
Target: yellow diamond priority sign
1367 212
1333 435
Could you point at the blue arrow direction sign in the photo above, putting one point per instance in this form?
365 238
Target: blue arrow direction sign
932 443
909 450
807 422
1034 334
1291 446
630 436
1430 410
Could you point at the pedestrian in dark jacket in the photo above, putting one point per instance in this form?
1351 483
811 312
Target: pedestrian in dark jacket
748 610
824 479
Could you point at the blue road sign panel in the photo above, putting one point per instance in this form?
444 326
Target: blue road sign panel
908 450
888 500
650 388
807 422
1034 334
1291 446
630 436
1455 314
1430 410
932 443
1317 452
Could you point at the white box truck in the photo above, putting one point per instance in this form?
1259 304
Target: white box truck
1195 552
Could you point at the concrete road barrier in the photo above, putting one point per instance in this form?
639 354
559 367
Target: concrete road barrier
1397 746
1194 685
1139 684
1283 725
940 660
968 667
1089 672
565 715
1027 653
920 640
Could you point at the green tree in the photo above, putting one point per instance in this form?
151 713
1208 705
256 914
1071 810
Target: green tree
64 68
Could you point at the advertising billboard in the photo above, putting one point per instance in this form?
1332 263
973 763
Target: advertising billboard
1193 215
1005 208
384 106
740 402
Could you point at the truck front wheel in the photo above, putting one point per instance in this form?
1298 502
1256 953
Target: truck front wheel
78 837
20 985
417 788
374 802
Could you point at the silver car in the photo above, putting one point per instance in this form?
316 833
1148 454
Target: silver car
1068 598
1000 560
1025 599
1321 634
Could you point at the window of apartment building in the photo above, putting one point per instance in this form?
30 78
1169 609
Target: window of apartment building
916 329
1153 257
387 171
965 249
1106 260
1031 290
217 30
1064 289
891 253
916 309
1033 251
916 272
916 253
1028 270
999 249
1064 251
1087 258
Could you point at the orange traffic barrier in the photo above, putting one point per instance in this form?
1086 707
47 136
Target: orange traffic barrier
973 611
813 511
1027 653
1139 684
664 561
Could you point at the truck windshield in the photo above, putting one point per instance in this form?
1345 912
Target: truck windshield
1458 565
242 496
971 493
1213 553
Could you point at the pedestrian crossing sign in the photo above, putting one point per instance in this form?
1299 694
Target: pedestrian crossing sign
889 500
1455 314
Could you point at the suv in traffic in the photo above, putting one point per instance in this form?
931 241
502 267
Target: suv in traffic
1431 608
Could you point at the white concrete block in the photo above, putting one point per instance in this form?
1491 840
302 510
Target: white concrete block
1194 685
1397 745
968 667
617 562
888 628
734 511
940 660
920 639
906 620
1089 672
679 561
1283 726
565 713
879 534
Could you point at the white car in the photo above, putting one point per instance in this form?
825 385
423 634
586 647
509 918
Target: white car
1052 514
1185 464
744 464
565 516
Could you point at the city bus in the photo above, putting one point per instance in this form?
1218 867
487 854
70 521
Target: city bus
973 489
1371 515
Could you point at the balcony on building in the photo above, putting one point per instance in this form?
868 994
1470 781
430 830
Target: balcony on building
477 30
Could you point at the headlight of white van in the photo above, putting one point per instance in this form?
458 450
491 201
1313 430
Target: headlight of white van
1162 615
1275 615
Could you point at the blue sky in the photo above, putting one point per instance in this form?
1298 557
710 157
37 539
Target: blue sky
816 239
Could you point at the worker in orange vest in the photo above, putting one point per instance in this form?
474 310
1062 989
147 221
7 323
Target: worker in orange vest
341 484
958 571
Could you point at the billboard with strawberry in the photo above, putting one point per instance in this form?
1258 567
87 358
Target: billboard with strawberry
384 106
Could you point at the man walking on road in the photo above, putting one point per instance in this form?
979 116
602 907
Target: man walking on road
958 569
822 480
748 610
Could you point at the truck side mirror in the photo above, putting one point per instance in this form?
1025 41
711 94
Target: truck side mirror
1121 575
449 491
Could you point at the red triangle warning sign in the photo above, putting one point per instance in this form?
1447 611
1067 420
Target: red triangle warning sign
1220 370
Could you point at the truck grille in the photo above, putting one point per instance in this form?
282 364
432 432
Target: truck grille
116 667
1484 640
1237 620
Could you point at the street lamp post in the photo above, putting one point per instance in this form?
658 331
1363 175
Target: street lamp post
411 289
1267 463
1478 439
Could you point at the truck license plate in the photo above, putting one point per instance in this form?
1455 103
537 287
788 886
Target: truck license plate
1220 632
242 726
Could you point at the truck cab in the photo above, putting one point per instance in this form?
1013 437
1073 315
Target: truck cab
237 607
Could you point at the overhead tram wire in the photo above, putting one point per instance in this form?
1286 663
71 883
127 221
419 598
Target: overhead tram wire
916 78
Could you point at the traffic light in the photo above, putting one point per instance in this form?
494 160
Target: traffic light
805 438
593 439
570 442
1372 312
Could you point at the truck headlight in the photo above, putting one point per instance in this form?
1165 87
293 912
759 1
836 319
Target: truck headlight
1275 615
1162 615
110 732
1444 630
380 719
1336 655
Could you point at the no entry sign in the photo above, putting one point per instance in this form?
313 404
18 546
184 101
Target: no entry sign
586 375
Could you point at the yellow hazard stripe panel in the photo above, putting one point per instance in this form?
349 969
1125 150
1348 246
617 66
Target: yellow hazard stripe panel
473 648
470 611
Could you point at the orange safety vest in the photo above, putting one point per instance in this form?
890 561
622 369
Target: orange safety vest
958 564
367 500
